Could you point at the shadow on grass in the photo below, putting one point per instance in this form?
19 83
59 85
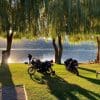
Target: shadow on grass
95 81
90 70
7 83
37 79
66 91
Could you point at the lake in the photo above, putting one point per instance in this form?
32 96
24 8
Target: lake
44 51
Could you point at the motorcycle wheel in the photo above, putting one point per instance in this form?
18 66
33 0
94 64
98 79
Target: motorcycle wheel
31 70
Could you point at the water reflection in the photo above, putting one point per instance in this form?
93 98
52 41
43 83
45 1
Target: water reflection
48 54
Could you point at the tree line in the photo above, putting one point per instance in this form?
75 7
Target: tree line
79 19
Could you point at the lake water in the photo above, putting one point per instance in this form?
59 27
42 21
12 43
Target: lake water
44 51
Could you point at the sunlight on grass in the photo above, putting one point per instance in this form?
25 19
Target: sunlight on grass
64 85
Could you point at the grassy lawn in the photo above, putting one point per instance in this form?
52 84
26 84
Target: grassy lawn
63 86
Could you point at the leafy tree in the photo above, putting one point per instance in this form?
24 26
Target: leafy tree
73 17
89 23
11 21
35 18
7 20
56 26
20 17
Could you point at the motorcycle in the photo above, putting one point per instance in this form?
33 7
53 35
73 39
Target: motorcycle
72 66
42 67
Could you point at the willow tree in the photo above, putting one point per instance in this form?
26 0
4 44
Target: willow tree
64 16
93 18
94 15
12 19
85 20
45 25
7 24
73 17
56 25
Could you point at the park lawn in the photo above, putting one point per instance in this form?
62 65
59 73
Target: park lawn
63 86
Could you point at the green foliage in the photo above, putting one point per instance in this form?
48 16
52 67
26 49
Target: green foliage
20 15
56 17
72 17
80 37
49 18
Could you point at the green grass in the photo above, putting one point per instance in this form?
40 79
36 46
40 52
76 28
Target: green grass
63 86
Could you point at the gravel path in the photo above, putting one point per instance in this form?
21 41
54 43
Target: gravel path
13 93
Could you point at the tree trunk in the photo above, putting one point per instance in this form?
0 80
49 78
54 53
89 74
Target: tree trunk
6 53
56 50
98 52
60 49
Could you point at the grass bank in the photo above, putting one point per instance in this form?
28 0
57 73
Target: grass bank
63 86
